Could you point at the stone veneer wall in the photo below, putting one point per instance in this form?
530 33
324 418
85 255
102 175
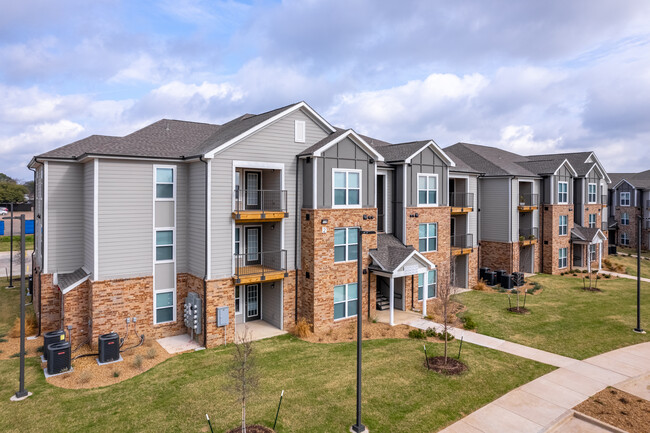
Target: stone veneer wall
473 271
551 239
316 293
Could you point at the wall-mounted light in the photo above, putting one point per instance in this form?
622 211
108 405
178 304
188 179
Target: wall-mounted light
272 285
272 226
372 160
324 221
365 217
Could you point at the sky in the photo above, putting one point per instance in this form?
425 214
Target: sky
527 76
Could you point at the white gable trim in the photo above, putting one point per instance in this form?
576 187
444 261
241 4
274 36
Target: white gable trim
437 150
568 164
593 156
602 173
301 105
75 285
626 181
355 137
418 257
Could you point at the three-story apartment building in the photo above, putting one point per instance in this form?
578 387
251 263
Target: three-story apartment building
629 197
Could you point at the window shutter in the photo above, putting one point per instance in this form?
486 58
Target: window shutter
300 131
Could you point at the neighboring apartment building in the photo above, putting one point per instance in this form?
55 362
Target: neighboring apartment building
629 199
260 215
537 213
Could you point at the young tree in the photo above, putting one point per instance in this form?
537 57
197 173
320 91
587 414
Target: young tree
445 291
243 373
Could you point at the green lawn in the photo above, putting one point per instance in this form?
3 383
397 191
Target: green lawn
5 243
630 265
644 253
565 319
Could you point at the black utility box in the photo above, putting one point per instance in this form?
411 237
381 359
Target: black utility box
490 278
611 249
506 281
52 337
500 273
58 357
518 278
482 273
109 347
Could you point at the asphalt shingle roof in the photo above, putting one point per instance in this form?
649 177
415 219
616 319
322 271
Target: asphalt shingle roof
390 252
637 180
581 233
71 278
489 160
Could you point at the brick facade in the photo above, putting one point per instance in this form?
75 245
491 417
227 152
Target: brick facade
551 239
499 255
631 229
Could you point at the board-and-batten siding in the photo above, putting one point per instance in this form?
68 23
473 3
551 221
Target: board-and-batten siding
494 205
428 162
88 214
272 144
38 220
125 219
65 237
514 210
196 219
472 217
388 223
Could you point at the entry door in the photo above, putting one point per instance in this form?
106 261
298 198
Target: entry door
252 302
253 245
252 190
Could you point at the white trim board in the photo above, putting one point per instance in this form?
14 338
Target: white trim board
95 273
352 135
437 150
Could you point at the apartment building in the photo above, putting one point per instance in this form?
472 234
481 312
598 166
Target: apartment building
629 199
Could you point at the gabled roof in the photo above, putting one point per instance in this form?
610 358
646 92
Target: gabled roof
405 152
70 280
582 162
548 166
318 148
637 180
587 234
490 160
391 254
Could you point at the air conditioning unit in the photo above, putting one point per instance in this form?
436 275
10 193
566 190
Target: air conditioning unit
490 278
109 347
518 278
500 274
482 273
506 281
52 337
58 357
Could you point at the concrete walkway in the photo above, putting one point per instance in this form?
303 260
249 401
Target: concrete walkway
629 277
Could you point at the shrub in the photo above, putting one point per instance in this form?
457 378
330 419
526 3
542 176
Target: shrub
301 329
607 276
584 271
30 326
137 361
116 373
468 322
151 353
3 340
417 333
431 332
85 376
481 286
40 349
442 336
15 355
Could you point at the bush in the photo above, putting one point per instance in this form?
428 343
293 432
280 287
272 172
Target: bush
607 276
31 326
584 271
137 361
40 349
301 329
468 322
481 286
417 333
85 376
151 353
116 373
3 340
431 332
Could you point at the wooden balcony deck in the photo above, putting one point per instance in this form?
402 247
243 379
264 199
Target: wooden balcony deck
455 210
259 273
258 216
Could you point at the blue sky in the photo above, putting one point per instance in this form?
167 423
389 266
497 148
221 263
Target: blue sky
528 76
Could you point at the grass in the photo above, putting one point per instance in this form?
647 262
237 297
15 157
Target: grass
5 243
630 265
564 319
644 253
10 305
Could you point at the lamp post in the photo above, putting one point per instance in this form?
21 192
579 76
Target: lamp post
11 248
358 427
638 328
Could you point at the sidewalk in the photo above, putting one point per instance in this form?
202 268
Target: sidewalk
629 277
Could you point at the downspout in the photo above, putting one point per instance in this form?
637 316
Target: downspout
40 291
541 226
205 276
295 247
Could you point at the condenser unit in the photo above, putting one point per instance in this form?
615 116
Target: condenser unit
58 357
52 337
109 347
490 278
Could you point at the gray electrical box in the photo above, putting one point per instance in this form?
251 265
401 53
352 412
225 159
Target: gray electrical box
223 318
192 312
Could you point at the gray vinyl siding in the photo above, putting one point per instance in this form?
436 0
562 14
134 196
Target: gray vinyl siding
624 187
580 200
196 219
547 193
38 216
345 154
182 209
125 219
514 210
390 196
563 175
537 184
427 162
472 217
88 214
494 203
65 215
593 177
399 205
307 183
272 144
272 303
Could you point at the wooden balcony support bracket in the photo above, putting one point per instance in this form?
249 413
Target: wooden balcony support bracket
528 242
268 276
460 210
527 208
258 216
460 251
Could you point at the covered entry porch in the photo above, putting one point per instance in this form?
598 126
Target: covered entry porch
587 246
259 309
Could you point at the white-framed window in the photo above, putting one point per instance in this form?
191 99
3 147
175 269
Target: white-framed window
592 253
562 263
164 306
591 193
299 131
625 219
592 220
625 239
164 245
428 234
238 249
346 188
345 301
563 192
432 284
564 224
346 242
165 183
237 299
427 189
625 198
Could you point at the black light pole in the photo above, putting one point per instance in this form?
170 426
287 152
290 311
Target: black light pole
358 427
638 277
11 248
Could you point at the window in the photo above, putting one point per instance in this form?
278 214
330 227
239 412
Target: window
592 253
592 220
237 299
591 193
164 306
427 189
345 244
238 240
563 224
347 188
432 284
165 183
563 192
164 245
428 237
625 198
625 239
562 261
345 301
625 219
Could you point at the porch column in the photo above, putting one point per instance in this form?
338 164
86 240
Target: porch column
588 258
600 256
392 301
425 285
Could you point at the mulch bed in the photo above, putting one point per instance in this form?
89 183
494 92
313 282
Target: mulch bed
255 428
519 310
452 368
618 408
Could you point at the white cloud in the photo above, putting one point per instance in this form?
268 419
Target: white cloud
42 135
521 139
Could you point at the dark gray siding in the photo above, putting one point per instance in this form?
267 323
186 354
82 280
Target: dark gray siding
427 162
580 187
182 217
307 183
495 205
563 175
399 205
624 187
88 213
196 219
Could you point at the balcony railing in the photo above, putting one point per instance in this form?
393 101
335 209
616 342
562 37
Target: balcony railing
461 199
260 264
528 234
462 241
528 200
268 200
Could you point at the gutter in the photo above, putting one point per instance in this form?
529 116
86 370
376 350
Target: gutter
40 290
205 276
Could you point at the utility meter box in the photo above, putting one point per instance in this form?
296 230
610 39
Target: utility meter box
192 312
223 318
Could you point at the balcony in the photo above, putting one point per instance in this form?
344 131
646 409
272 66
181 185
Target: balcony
528 202
462 244
255 267
257 206
604 226
528 236
461 202
603 199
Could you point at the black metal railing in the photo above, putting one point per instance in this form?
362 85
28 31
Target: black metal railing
462 241
461 199
268 200
528 199
260 263
528 234
604 199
